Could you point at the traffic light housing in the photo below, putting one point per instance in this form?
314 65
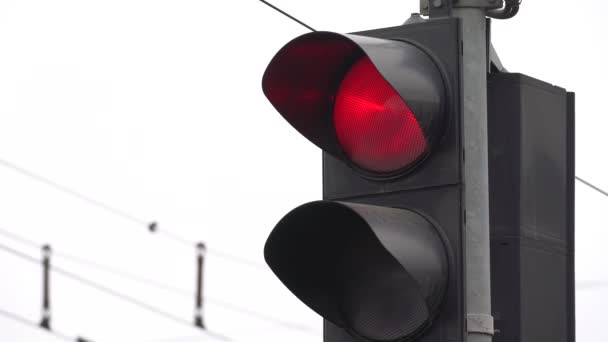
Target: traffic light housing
531 169
381 258
389 261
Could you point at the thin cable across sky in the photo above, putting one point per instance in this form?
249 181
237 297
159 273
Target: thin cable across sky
287 15
112 292
162 286
24 321
151 225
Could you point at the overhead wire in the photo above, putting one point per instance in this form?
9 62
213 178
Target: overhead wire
592 186
162 286
19 238
287 15
152 226
17 318
112 292
71 192
33 324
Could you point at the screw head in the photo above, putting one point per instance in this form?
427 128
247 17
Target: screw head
437 3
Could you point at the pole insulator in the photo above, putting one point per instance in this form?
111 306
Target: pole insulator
45 321
201 250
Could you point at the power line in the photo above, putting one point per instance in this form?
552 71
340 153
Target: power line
236 259
150 282
20 254
71 192
287 15
226 256
111 292
152 226
34 325
592 186
286 324
188 294
19 238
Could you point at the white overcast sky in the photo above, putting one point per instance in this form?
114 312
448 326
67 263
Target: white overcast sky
155 107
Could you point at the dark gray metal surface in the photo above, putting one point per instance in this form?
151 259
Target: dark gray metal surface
353 264
531 128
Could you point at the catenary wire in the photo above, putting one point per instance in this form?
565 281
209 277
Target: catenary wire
592 186
19 238
71 192
287 15
159 285
111 292
34 325
151 225
226 256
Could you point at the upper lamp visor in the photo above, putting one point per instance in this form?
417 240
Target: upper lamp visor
303 79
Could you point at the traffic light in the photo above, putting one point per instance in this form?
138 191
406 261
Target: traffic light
381 258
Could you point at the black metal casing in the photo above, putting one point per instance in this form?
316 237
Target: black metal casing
531 173
378 272
433 189
531 164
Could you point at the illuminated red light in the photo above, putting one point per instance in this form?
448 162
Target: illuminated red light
374 126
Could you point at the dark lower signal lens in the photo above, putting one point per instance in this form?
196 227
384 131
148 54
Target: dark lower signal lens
374 126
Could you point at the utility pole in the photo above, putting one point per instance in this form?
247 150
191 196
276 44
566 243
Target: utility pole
480 324
475 51
472 15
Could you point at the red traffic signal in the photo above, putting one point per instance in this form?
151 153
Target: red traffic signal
374 126
377 104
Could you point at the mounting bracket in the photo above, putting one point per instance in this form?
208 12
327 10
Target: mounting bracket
436 8
443 8
488 4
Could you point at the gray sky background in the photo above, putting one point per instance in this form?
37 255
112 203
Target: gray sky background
155 107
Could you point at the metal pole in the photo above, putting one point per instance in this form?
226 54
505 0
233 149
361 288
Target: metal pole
480 324
45 322
200 259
